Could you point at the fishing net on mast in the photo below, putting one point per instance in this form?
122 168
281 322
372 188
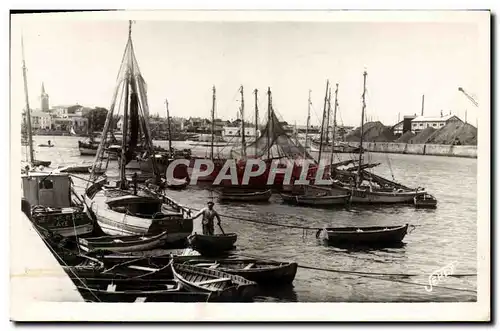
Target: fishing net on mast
274 143
130 96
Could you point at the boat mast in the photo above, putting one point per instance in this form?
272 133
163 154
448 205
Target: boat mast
323 122
308 119
268 122
242 111
212 126
328 115
256 121
334 122
28 112
169 130
362 123
123 159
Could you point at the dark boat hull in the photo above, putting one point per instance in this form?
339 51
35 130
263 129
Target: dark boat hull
240 195
376 236
215 244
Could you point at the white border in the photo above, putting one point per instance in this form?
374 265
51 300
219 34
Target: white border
298 311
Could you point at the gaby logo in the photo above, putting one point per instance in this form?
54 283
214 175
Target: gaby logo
253 168
437 276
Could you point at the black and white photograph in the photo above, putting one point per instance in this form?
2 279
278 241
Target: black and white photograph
205 165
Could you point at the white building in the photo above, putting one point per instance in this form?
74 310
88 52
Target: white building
41 120
422 122
234 131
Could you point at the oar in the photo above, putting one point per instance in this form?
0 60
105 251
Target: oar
220 227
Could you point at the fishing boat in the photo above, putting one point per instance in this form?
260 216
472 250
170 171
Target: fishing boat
31 160
322 199
425 201
48 199
259 271
219 284
244 195
372 235
88 147
169 293
122 243
214 244
366 187
126 207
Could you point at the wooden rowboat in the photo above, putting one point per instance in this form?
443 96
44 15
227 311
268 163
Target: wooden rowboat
315 200
261 272
177 184
373 235
220 284
425 201
37 163
122 243
217 243
167 292
247 196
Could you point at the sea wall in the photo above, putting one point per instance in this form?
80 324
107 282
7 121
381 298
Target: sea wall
420 149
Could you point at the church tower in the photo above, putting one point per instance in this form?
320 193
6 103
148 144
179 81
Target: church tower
45 99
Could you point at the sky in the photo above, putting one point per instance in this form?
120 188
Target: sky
78 60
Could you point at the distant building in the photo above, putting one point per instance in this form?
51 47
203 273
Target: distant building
403 126
44 97
41 120
235 131
422 122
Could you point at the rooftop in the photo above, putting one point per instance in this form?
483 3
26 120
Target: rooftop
432 118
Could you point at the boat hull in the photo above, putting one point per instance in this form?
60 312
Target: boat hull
304 200
122 244
210 245
262 196
71 223
377 235
365 196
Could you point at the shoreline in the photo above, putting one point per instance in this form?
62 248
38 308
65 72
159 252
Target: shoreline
463 151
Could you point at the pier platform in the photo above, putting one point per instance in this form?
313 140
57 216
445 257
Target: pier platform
35 274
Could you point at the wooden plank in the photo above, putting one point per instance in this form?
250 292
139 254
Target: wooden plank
211 281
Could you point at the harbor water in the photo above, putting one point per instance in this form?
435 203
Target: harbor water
442 236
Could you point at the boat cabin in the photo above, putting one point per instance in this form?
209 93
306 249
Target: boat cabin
49 190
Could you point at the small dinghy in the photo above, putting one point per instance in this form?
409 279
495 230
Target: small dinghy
220 284
177 184
315 200
244 195
259 271
425 201
122 243
208 245
46 145
167 292
366 236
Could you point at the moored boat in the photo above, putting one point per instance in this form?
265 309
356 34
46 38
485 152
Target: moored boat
372 235
125 207
219 284
75 168
244 195
259 271
122 243
217 243
323 200
425 201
